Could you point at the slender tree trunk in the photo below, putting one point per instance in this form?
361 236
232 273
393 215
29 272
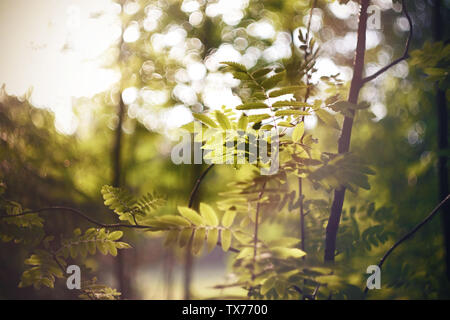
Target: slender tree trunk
118 178
197 171
442 118
344 140
168 273
188 270
302 215
205 37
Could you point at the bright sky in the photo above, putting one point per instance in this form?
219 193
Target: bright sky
55 47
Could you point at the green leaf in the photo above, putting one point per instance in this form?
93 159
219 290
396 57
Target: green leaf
226 239
261 72
436 72
285 90
284 241
281 113
361 180
174 220
205 119
244 253
285 253
122 245
191 215
241 75
347 108
235 65
280 287
92 248
83 249
258 117
111 248
290 103
115 235
267 127
184 237
243 122
285 124
213 237
73 251
252 105
298 132
197 242
242 237
271 82
208 214
171 238
268 285
102 247
327 118
228 218
222 120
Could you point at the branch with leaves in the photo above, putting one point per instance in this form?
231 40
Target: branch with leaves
409 234
344 141
405 54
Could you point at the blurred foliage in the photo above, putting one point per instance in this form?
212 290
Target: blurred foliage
393 155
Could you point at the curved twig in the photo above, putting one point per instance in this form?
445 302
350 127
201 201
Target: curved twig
194 193
412 232
197 185
405 53
86 217
80 214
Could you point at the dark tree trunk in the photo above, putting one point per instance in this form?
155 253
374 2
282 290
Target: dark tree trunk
118 179
188 258
344 140
442 118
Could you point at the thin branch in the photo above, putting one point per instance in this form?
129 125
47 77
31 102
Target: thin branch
255 239
84 216
194 193
197 185
405 52
80 214
308 30
219 244
307 51
346 132
412 232
316 291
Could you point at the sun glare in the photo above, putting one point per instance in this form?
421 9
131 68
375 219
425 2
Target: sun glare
66 44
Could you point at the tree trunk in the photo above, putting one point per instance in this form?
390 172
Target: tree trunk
118 178
344 140
442 118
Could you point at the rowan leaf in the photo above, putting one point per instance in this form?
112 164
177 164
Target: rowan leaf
191 215
198 240
281 113
327 118
298 132
209 215
213 237
205 119
228 218
252 105
226 239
